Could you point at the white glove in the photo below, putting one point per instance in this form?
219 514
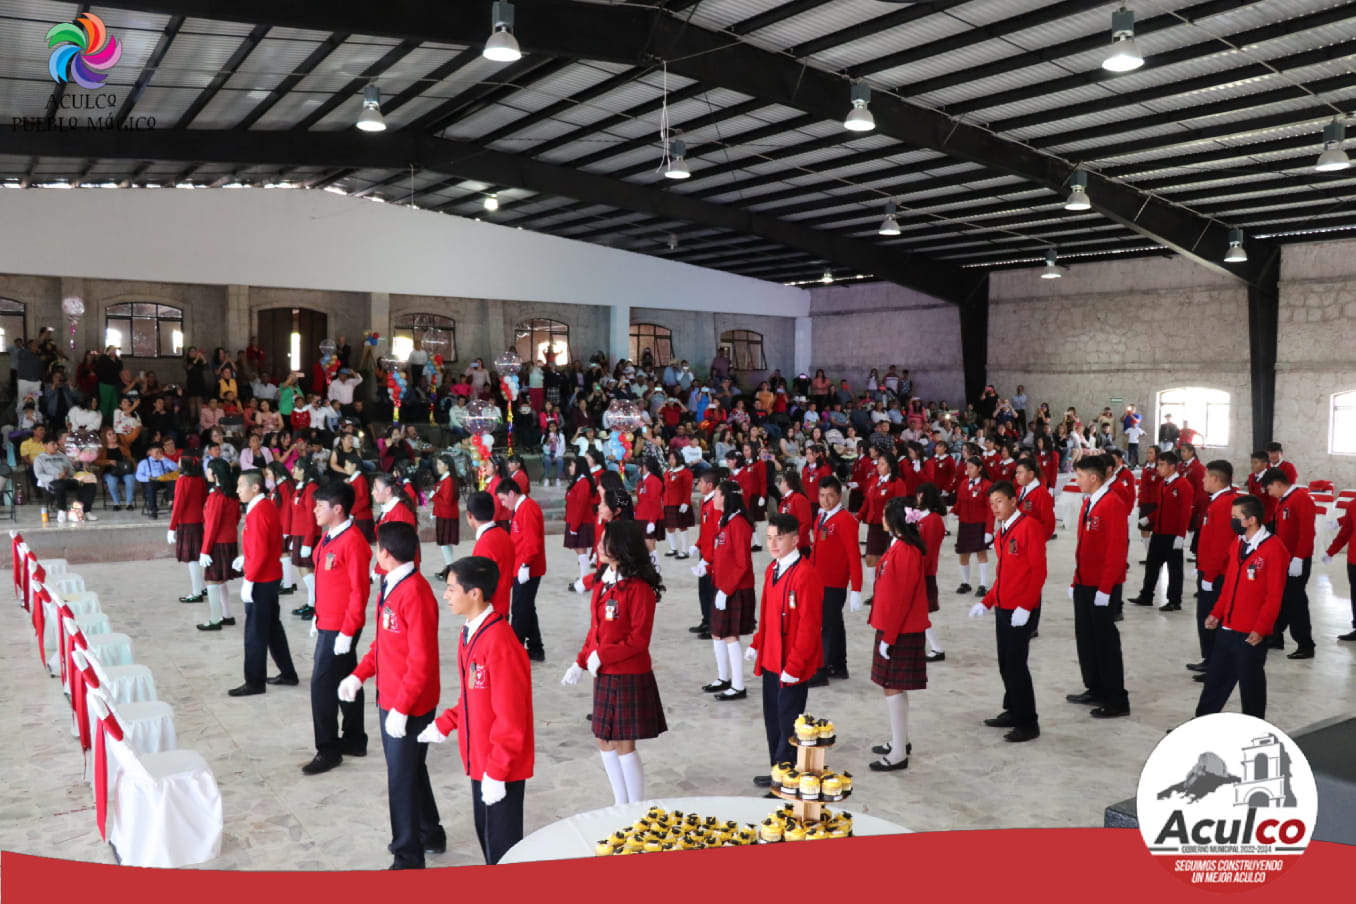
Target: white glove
884 650
205 560
1296 567
855 601
694 551
988 539
342 643
762 501
349 687
1020 616
1326 558
1144 522
523 574
701 570
1178 542
171 536
1207 586
238 563
315 631
683 507
1333 524
492 791
649 527
593 663
578 586
306 552
751 654
572 675
978 610
1102 599
247 592
431 735
789 679
852 486
720 600
395 723
1071 592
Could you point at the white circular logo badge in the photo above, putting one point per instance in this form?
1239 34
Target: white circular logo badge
1227 802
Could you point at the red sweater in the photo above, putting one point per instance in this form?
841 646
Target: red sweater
732 566
529 539
1174 507
911 475
406 647
1250 597
445 498
282 501
301 523
1150 492
621 619
1268 501
940 470
707 529
341 586
190 493
493 715
261 542
790 639
1194 472
1020 573
837 555
1099 560
1295 522
1049 464
1216 537
1003 470
497 545
579 508
1035 501
874 497
501 511
810 476
678 487
972 503
1346 525
650 500
399 512
748 486
1123 484
362 498
524 482
900 601
221 515
798 507
1287 469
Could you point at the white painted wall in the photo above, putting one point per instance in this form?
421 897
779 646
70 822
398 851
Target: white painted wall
296 239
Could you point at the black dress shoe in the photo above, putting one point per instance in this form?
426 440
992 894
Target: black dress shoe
964 588
1275 643
321 763
671 554
884 749
1085 697
442 576
1141 601
1199 676
1110 712
1201 666
716 686
705 635
348 749
436 846
228 622
303 611
819 680
1302 653
284 680
194 597
1002 720
287 591
536 656
840 674
1119 616
731 694
756 548
884 765
1023 733
1170 607
1347 637
698 629
246 690
936 656
210 626
981 590
763 781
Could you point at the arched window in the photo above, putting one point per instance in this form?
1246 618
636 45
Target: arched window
1342 438
542 341
437 336
1204 411
657 339
145 329
12 322
746 349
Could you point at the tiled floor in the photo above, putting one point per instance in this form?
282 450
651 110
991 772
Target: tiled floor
962 775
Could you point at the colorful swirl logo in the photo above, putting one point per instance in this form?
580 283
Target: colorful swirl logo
83 52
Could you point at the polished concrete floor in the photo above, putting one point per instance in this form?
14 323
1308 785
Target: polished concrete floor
962 775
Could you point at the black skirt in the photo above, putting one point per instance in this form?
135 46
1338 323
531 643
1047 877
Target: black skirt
188 542
627 708
970 538
447 531
738 617
368 528
220 571
877 540
931 583
299 561
580 541
907 667
678 520
657 531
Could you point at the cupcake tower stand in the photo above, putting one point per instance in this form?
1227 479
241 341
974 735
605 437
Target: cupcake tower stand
811 760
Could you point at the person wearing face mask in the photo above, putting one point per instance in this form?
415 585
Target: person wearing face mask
1213 541
1293 523
1249 601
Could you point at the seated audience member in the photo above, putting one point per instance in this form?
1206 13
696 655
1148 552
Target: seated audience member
154 473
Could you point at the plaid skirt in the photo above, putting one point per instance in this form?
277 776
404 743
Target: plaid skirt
970 538
582 539
658 530
678 520
877 540
298 561
368 528
188 542
907 667
219 572
627 707
448 531
931 583
759 512
737 618
855 499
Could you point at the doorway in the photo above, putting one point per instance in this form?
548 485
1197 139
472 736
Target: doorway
288 333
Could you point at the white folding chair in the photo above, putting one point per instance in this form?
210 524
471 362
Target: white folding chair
109 649
56 566
94 624
82 601
162 809
125 683
66 583
148 727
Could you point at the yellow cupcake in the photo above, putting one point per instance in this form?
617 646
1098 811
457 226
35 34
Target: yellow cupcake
771 831
791 782
795 833
831 786
807 735
847 781
809 786
617 837
825 729
604 848
652 846
839 832
635 843
692 820
667 846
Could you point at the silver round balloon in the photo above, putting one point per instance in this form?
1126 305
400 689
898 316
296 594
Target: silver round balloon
508 363
435 342
482 417
327 347
624 414
83 446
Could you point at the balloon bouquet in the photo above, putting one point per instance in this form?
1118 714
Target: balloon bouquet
482 419
74 309
396 381
508 364
329 361
434 342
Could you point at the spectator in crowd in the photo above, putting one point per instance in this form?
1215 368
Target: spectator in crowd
118 469
156 472
54 472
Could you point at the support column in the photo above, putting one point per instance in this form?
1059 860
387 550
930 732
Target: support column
239 322
496 334
804 345
619 338
379 317
974 329
1264 307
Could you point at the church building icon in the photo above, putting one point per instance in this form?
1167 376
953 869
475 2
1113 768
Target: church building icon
1266 775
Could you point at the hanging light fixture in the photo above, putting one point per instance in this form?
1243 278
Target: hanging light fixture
1124 55
1051 270
827 278
370 119
1333 158
492 203
889 226
1236 254
502 47
859 118
1078 192
677 165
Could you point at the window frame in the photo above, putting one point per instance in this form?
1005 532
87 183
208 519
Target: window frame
531 327
750 339
658 333
129 317
425 321
6 340
1178 410
1341 401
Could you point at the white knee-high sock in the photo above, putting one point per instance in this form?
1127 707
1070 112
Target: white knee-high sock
612 766
634 773
289 572
309 581
965 574
722 659
226 601
583 566
195 577
213 603
983 574
1145 541
447 554
930 635
668 537
654 560
736 664
682 541
899 726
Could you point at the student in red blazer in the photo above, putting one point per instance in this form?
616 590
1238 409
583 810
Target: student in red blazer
837 559
518 473
1171 521
1016 596
1048 459
1032 497
362 516
863 473
1193 470
650 501
1249 602
1099 573
705 551
911 469
1150 489
816 469
940 470
742 473
875 494
261 546
280 494
185 527
493 543
932 530
975 532
502 513
787 649
446 513
303 530
1345 526
757 468
528 532
1005 468
1294 525
1122 479
393 505
899 614
221 520
732 612
1214 540
404 658
493 715
1276 459
616 652
1255 488
343 563
678 517
580 511
797 506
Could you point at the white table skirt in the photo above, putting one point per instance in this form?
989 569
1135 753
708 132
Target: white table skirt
147 728
575 836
